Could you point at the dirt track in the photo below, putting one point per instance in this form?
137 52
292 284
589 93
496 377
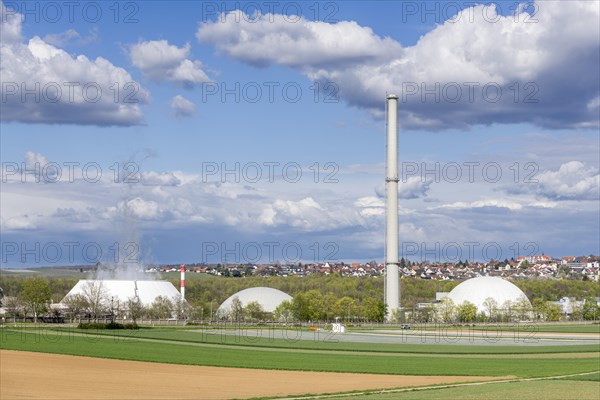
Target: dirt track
26 375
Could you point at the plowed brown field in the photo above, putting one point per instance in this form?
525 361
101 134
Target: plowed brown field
26 375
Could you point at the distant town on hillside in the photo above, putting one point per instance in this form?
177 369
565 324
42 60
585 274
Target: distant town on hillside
524 267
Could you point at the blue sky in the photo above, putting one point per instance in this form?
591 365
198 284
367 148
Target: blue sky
495 87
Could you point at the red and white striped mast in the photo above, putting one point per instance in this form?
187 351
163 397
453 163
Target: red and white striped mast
182 283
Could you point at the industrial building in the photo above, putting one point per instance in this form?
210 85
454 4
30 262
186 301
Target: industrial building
122 290
268 298
478 290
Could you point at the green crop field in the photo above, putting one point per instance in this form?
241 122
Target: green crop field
588 377
535 390
173 346
327 341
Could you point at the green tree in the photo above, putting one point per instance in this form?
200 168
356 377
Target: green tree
198 310
466 312
255 311
522 308
345 308
329 306
446 310
576 312
553 312
284 312
35 295
375 310
591 310
540 308
300 307
316 305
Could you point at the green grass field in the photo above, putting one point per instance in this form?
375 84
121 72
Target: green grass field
325 341
589 377
536 390
174 346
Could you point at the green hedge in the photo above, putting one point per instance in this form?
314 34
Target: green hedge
110 325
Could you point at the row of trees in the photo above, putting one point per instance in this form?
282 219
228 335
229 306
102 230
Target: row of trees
203 289
540 310
92 303
309 306
315 298
33 299
315 306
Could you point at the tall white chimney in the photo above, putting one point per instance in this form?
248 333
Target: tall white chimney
392 281
182 282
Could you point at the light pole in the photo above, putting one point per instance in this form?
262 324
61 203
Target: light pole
112 312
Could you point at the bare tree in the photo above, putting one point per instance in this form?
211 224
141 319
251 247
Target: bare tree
508 311
135 308
491 306
161 308
76 304
181 308
523 309
96 296
14 306
236 312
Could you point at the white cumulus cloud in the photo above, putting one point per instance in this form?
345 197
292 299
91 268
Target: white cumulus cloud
495 203
152 178
274 39
182 106
413 187
68 89
573 180
482 67
140 208
161 61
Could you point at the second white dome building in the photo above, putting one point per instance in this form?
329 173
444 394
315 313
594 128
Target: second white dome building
478 290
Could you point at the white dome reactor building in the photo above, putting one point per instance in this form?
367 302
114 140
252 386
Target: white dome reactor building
268 298
121 290
477 290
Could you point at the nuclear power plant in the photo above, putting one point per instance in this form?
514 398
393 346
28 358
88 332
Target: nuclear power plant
392 279
148 290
